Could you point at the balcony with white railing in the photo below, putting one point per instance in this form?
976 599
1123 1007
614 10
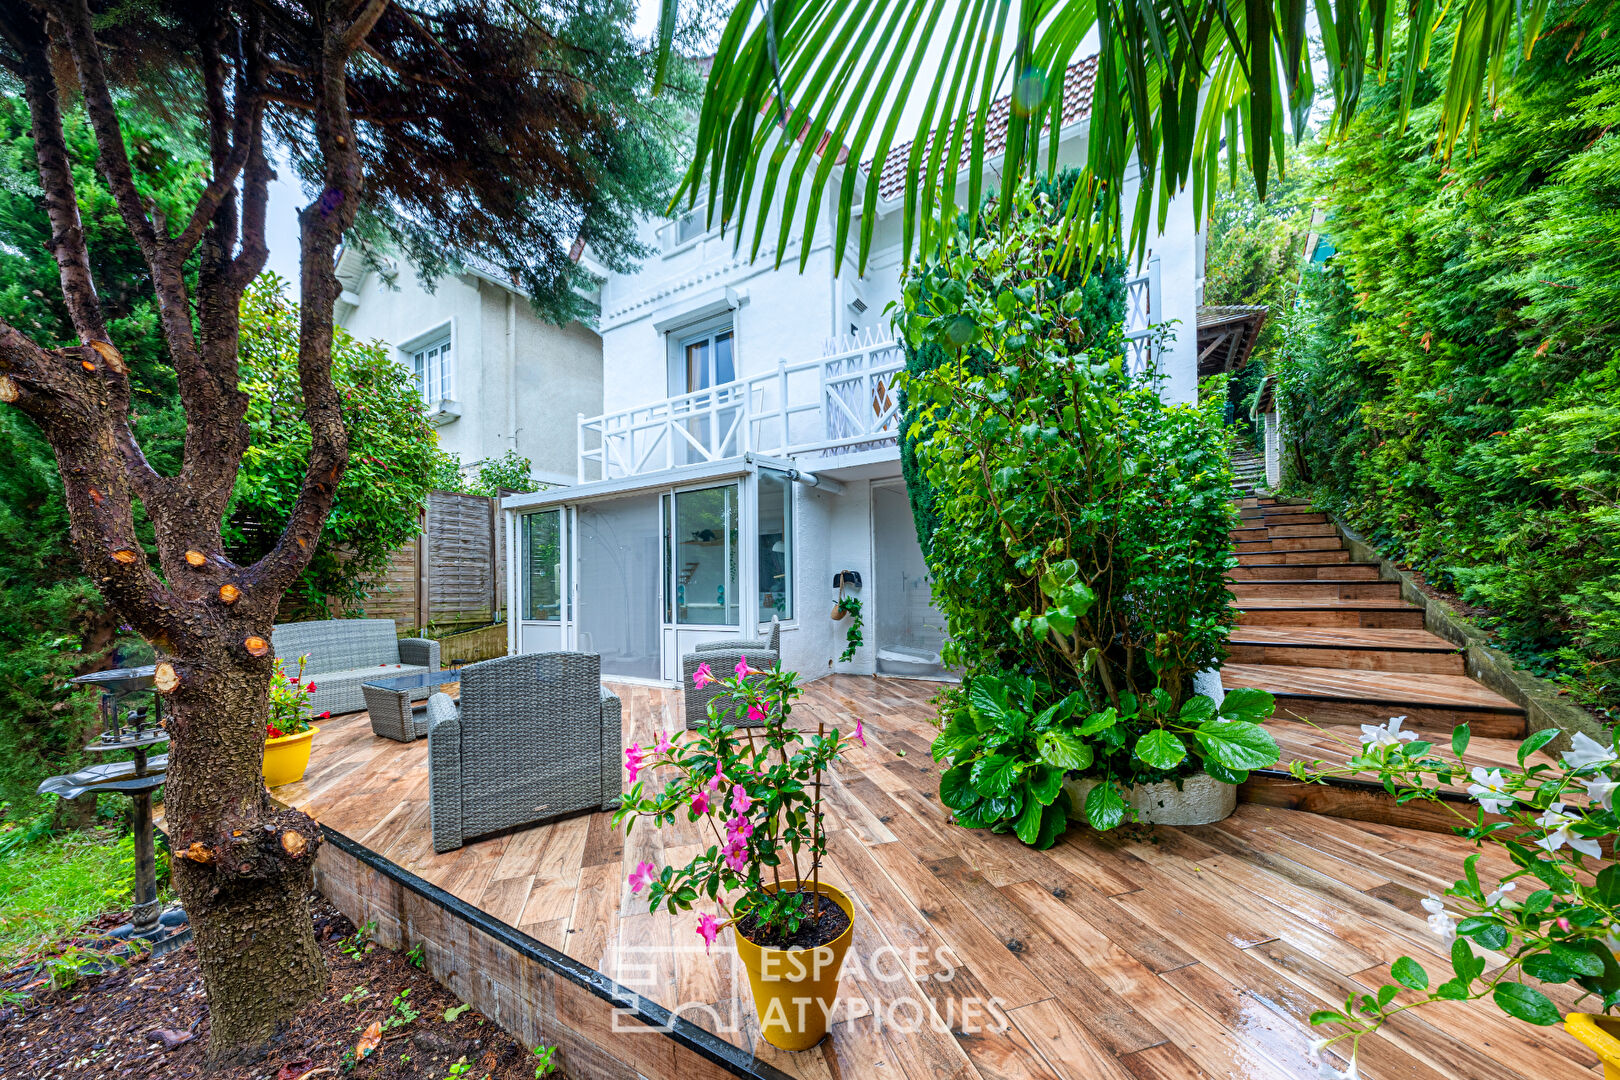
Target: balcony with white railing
843 402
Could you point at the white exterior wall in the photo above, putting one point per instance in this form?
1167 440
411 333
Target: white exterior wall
1273 451
520 381
776 314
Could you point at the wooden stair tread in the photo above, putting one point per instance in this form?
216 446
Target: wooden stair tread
1341 638
1335 743
1256 603
1367 686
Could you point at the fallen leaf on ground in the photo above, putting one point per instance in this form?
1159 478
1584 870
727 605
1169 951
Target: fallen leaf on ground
168 1038
370 1040
294 1070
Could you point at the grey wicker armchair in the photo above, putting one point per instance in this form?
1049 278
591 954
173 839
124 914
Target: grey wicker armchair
534 737
722 657
343 653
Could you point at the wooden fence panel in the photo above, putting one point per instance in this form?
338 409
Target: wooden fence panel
460 559
453 574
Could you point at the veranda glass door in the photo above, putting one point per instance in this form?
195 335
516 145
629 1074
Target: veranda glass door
705 558
906 628
618 606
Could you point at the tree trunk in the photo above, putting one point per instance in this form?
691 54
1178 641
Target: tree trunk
242 866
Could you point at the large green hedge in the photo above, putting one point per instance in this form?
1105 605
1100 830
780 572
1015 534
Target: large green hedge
1452 374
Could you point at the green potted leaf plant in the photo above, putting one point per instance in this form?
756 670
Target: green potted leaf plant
1078 534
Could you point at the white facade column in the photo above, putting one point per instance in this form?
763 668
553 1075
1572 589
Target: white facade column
1177 252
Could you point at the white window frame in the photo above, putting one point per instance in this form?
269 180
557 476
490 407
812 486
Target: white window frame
707 329
439 337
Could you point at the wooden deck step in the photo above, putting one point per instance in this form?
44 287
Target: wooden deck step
1337 571
1316 589
1344 696
1295 515
1264 558
1359 797
1365 614
1344 647
1290 543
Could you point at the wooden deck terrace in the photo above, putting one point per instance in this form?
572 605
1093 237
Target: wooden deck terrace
1142 954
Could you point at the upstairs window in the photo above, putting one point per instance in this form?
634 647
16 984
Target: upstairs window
431 365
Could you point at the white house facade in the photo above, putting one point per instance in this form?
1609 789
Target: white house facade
494 375
744 458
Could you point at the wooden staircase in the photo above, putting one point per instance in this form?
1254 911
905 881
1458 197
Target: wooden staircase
1338 648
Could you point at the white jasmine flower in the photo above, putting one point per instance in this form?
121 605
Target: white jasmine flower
1585 750
1328 1072
1601 790
1388 734
1489 789
1494 898
1557 824
1441 921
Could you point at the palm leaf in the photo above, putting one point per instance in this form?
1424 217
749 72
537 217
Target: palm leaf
800 87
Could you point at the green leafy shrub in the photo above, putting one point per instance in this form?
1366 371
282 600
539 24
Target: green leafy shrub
1450 382
1098 308
393 453
1080 544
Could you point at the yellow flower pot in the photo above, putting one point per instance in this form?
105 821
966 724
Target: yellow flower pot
795 989
1602 1034
286 758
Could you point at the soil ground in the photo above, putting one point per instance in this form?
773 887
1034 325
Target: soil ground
149 1019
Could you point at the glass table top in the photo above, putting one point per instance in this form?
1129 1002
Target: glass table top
414 680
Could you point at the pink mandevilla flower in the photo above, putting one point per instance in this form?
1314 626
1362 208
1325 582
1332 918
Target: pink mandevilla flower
860 732
700 801
633 760
739 826
640 876
310 689
708 929
756 714
703 676
736 853
665 744
742 668
740 799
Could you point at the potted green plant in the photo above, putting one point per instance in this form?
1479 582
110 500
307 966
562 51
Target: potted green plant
754 784
1077 528
289 735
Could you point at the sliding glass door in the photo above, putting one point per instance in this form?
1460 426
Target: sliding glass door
618 603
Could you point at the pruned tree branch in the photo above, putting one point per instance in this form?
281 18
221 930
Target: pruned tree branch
67 241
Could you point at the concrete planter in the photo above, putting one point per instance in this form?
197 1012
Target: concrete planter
1200 800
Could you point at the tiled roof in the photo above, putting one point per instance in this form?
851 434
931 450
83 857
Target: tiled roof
1077 87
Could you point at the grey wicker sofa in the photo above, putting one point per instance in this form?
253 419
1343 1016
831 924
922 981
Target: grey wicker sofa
722 656
533 737
343 653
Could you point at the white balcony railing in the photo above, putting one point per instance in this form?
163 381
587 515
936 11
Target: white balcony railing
839 402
